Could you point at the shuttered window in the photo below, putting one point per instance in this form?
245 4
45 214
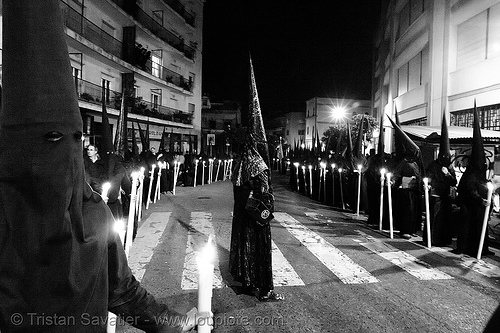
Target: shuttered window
471 41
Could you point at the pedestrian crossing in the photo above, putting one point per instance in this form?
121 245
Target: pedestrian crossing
342 267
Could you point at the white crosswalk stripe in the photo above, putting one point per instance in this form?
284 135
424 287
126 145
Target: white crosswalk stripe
201 229
284 274
148 237
340 264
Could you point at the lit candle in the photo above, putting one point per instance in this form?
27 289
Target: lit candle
205 262
389 198
105 189
341 190
217 173
296 165
176 169
381 212
485 220
119 228
427 211
203 174
151 176
140 190
195 172
324 181
321 175
310 180
304 177
359 189
333 184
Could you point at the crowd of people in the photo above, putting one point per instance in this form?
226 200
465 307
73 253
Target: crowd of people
457 203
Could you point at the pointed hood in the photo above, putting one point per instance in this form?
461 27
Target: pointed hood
161 148
405 147
256 123
358 148
121 129
380 146
144 143
444 144
477 156
42 184
135 148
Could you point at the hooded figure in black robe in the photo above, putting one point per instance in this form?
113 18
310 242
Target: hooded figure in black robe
250 253
441 179
59 257
472 194
407 168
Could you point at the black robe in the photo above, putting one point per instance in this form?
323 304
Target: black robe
440 204
250 253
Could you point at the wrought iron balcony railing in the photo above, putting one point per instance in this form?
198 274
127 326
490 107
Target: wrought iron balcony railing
92 93
82 26
182 11
168 75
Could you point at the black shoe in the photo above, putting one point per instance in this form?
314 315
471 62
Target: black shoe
271 296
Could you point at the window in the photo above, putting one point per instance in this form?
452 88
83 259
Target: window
409 14
156 98
478 38
212 124
191 107
414 73
156 63
105 84
489 117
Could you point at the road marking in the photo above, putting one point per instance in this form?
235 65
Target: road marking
283 272
479 266
405 261
341 265
147 238
200 228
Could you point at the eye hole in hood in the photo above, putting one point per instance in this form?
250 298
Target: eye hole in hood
78 135
53 136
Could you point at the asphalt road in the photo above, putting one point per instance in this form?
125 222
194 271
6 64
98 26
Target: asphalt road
336 273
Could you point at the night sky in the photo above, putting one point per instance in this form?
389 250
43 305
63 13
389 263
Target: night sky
300 49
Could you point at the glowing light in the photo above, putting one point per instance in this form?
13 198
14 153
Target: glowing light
338 112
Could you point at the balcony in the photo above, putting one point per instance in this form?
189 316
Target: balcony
156 28
82 26
92 93
168 75
182 11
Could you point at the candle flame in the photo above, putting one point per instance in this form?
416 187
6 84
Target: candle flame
208 253
119 226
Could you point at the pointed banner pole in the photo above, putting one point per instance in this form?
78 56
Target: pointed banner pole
485 220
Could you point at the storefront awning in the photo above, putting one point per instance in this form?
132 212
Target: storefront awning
455 133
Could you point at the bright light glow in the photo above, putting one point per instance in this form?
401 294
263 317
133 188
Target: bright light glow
426 181
333 166
119 226
359 167
340 170
338 112
382 171
310 167
295 164
323 165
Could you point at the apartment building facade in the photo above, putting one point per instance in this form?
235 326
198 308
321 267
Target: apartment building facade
149 51
438 56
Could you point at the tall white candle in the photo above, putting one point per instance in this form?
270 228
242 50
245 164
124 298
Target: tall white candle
151 177
131 213
389 198
381 212
205 262
485 220
427 211
217 173
296 165
105 189
359 189
203 173
195 172
341 190
310 180
333 184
